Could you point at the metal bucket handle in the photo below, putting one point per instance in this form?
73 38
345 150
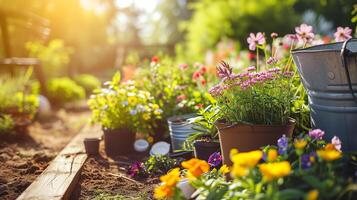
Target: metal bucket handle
344 53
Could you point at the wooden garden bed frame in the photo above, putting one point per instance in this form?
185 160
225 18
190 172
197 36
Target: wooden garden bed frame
59 179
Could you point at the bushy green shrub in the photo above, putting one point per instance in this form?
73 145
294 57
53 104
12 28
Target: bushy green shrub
18 94
88 82
6 124
64 90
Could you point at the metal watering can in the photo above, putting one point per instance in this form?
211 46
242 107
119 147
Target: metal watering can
329 74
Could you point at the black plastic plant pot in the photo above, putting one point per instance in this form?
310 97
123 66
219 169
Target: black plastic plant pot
118 141
204 149
92 146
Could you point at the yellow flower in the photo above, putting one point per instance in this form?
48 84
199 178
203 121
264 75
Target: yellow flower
155 106
224 169
275 170
150 139
195 167
146 116
272 155
329 155
300 143
247 159
132 100
239 171
312 195
233 152
172 177
163 191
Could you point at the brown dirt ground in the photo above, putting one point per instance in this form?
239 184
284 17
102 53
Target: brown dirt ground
23 158
102 178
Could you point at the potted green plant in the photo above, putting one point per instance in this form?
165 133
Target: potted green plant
255 108
204 141
122 110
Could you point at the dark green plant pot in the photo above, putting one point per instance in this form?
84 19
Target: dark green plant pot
203 149
91 146
118 141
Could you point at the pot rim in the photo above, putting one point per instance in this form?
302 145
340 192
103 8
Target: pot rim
222 126
94 139
175 119
205 143
105 129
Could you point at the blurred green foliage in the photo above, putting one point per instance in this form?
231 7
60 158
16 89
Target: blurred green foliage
54 56
7 124
63 90
214 19
88 82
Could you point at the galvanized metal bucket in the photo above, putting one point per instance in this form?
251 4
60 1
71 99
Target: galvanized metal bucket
180 129
329 74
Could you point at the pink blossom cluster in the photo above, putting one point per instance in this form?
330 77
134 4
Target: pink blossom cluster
247 79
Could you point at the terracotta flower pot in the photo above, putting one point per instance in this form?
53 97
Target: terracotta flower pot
203 149
249 137
118 141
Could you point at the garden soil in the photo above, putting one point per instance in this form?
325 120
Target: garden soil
24 157
106 177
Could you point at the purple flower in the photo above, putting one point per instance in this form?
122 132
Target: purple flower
308 159
272 60
215 90
304 32
215 159
336 142
342 34
288 74
135 169
224 70
282 144
254 40
316 134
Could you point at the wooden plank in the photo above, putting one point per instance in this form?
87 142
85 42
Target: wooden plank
58 180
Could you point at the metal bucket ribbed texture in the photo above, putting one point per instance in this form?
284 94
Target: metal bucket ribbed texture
180 129
332 104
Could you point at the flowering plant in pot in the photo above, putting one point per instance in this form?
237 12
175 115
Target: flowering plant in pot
204 141
179 90
255 108
122 110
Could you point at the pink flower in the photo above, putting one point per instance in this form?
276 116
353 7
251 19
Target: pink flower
203 82
272 60
183 66
343 34
203 69
196 75
253 40
216 90
304 32
316 134
180 98
251 68
273 35
336 142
